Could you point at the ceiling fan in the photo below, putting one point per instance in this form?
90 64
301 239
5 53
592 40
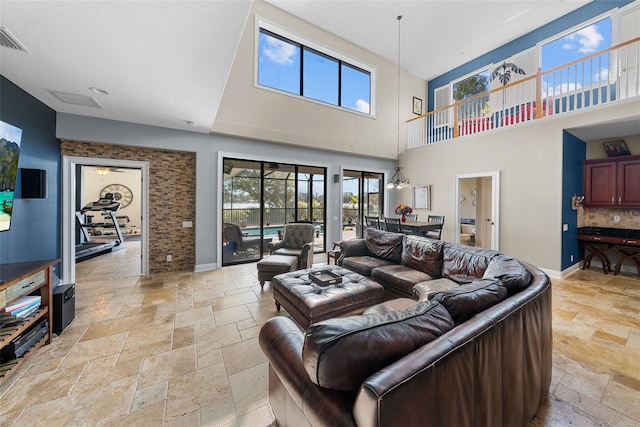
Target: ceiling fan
103 170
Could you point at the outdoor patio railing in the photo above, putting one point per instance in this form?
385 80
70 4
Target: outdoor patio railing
603 77
250 217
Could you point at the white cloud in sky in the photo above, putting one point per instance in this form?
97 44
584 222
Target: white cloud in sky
603 75
362 106
567 87
278 51
589 39
568 46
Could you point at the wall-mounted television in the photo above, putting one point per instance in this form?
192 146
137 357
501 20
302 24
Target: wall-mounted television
10 138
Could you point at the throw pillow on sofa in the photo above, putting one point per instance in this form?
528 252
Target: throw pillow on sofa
341 353
510 271
384 244
423 254
465 301
464 264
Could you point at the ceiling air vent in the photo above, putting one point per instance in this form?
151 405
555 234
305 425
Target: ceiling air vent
8 40
75 99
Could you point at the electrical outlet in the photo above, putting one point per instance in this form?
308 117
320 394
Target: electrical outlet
616 218
169 258
565 227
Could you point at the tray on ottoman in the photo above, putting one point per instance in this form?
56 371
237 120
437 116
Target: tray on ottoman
325 277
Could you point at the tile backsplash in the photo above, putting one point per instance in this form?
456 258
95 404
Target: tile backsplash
606 217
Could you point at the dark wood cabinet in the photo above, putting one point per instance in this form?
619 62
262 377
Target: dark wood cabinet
628 182
612 182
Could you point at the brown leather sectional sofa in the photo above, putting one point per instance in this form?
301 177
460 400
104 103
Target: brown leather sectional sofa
472 347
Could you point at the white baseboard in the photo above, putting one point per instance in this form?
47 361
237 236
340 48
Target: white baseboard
205 267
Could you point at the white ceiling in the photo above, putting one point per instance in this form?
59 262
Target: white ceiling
162 62
166 62
435 35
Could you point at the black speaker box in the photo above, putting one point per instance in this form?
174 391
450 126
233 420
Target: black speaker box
64 307
34 183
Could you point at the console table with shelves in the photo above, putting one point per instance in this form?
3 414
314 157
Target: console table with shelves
17 280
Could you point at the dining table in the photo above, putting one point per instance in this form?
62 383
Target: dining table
420 228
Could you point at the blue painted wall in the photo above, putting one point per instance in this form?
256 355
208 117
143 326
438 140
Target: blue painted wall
574 153
35 225
525 42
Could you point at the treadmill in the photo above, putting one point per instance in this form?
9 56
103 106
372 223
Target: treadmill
108 208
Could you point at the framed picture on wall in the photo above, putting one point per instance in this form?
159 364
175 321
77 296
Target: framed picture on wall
616 148
417 106
422 197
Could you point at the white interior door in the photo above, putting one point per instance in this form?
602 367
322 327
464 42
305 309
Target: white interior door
486 224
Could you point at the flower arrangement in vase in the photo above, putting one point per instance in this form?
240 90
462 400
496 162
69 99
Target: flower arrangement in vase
403 210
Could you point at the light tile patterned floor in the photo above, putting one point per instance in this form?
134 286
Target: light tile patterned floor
181 350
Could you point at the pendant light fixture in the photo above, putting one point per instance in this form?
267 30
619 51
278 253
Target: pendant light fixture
398 180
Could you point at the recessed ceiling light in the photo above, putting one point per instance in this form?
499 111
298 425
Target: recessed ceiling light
98 90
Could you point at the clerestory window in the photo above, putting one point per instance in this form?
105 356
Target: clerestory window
300 68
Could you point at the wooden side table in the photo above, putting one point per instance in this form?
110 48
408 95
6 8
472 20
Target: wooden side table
334 253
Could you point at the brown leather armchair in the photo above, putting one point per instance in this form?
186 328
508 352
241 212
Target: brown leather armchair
297 240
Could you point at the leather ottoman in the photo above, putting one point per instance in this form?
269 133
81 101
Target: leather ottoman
275 264
308 302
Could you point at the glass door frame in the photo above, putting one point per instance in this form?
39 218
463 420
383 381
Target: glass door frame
297 210
362 175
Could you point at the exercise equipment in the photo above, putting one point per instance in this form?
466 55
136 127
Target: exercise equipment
108 207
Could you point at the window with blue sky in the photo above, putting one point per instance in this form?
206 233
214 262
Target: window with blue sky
578 44
295 68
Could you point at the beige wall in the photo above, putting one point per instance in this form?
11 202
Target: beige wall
595 149
529 158
251 112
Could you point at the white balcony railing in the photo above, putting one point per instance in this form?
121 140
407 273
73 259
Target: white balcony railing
603 77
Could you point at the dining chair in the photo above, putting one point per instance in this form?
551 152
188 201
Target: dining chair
435 234
393 225
372 222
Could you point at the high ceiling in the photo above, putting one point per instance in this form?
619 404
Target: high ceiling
165 63
435 35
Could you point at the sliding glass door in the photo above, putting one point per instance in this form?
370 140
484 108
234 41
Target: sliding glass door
260 197
362 196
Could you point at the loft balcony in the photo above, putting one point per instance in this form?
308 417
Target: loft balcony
608 76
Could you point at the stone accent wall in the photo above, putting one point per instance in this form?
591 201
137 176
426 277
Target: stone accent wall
172 199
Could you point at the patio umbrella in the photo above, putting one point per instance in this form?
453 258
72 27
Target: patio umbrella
503 72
